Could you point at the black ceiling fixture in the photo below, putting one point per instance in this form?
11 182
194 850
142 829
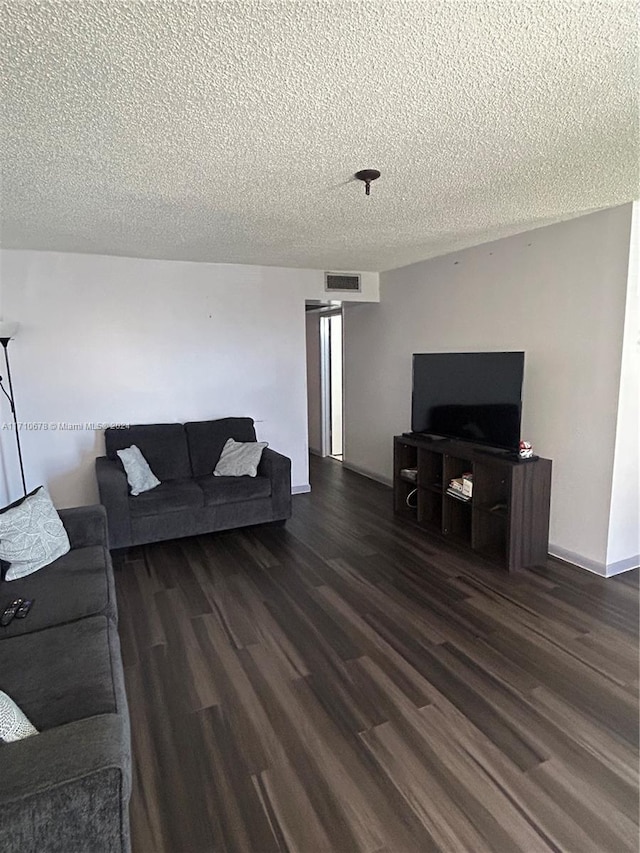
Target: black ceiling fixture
367 175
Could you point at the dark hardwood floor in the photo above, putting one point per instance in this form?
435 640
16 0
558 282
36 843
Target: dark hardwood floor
346 684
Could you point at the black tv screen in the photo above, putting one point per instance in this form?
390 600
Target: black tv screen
472 396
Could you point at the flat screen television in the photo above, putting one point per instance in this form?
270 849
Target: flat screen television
471 396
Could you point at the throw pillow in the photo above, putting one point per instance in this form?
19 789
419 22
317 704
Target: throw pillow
13 723
139 476
239 458
31 534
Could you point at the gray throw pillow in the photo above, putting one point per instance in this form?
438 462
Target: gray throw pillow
139 476
239 458
31 534
13 723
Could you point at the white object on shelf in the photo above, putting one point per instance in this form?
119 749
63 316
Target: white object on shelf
409 473
463 485
457 494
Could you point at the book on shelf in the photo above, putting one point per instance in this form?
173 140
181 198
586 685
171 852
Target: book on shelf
463 484
457 494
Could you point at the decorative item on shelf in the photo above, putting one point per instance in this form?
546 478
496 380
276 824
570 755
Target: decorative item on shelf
462 485
409 474
8 332
525 450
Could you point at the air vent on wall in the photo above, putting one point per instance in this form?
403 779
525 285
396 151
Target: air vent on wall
341 281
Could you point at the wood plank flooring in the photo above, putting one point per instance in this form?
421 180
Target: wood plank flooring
346 685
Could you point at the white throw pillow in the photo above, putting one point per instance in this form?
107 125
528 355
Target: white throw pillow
240 458
31 534
13 723
139 476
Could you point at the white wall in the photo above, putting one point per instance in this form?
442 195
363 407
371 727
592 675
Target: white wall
623 550
314 390
107 339
558 293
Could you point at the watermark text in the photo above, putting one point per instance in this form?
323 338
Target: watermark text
61 426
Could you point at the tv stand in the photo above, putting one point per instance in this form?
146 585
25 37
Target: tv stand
513 455
424 436
506 521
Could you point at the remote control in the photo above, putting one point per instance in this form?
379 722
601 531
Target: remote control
24 608
10 611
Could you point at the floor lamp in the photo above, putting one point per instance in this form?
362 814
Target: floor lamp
7 332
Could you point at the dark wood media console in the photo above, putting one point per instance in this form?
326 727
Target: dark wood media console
507 519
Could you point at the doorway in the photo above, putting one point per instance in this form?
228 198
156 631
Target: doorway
325 379
331 382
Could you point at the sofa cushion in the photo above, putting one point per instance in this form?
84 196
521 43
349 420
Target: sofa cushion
229 490
61 674
164 446
74 586
207 438
239 458
173 496
14 724
31 534
139 476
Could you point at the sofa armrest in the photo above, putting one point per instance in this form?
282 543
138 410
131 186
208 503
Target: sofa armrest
66 785
114 495
277 468
85 525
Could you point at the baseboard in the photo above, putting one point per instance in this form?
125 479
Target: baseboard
301 490
578 560
603 569
626 565
365 473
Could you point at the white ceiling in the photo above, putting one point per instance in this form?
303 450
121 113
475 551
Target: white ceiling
230 131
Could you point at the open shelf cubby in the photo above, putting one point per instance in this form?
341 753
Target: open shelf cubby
405 492
507 519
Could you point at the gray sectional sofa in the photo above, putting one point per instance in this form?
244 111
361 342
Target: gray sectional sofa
66 789
189 499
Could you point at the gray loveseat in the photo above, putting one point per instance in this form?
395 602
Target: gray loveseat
189 499
67 788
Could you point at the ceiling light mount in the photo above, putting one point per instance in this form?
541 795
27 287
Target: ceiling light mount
367 175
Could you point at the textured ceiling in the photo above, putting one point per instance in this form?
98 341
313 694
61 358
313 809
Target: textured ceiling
229 131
